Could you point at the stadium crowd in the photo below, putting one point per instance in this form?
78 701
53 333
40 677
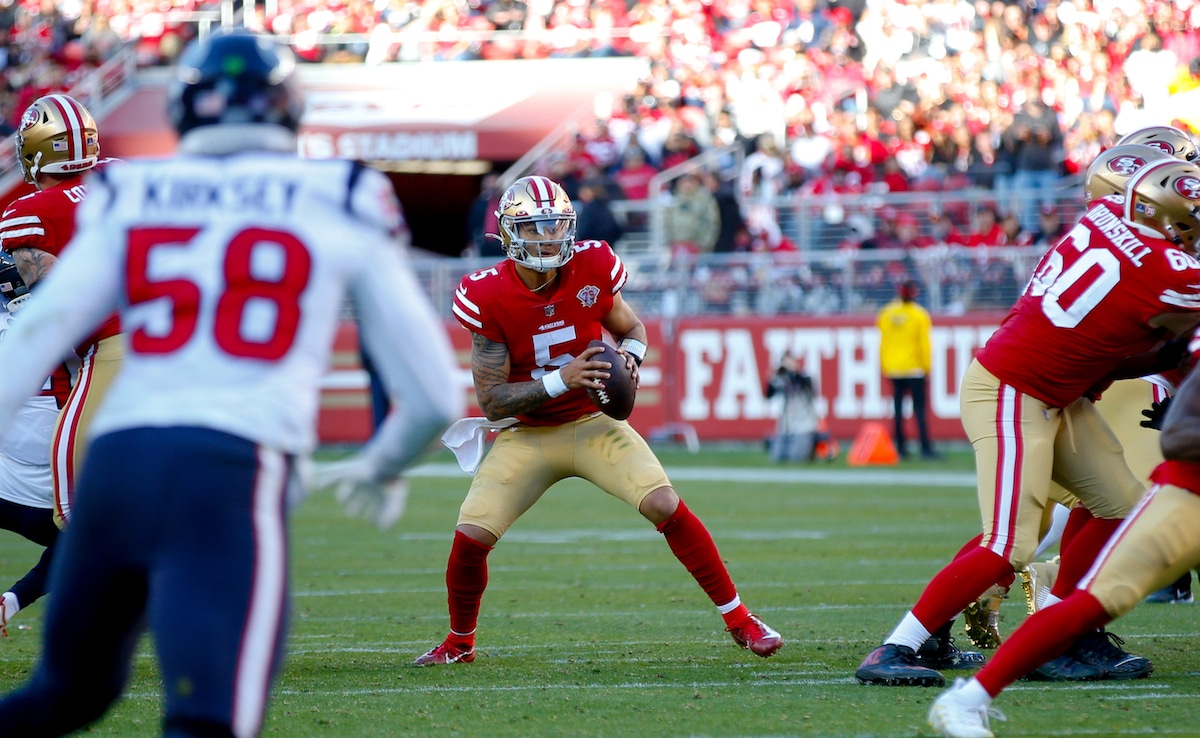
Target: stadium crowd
850 97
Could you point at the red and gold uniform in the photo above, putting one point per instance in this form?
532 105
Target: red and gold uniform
1092 301
45 220
545 330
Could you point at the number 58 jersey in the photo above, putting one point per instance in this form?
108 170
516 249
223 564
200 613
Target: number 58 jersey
229 273
1092 301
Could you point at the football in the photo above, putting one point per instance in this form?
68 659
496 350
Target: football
616 398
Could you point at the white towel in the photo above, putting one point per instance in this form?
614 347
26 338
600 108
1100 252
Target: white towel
465 438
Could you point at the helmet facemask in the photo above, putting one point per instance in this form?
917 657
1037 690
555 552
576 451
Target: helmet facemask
537 224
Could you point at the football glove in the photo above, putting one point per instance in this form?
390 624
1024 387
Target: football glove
360 494
18 302
1155 414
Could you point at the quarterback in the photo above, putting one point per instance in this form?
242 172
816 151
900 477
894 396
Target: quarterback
532 316
1120 282
229 315
57 144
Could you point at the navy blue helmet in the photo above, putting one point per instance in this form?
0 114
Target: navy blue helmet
234 76
11 284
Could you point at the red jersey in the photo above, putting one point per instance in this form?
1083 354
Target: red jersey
45 220
1089 305
544 330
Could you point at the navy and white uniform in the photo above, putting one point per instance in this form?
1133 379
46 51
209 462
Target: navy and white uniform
26 487
228 264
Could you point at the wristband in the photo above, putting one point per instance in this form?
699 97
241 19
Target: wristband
554 384
634 348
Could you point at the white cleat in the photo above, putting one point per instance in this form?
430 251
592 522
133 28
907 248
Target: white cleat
954 717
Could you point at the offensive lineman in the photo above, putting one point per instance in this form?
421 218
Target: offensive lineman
57 144
1124 279
228 262
531 317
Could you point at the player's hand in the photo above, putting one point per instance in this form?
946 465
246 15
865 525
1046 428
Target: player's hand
1155 414
631 363
584 371
360 494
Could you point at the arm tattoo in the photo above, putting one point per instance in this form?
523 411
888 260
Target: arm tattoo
33 264
498 397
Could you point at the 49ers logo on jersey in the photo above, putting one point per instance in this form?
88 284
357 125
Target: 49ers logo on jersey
1189 187
588 295
1126 165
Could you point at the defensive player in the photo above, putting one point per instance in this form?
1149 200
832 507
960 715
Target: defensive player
57 144
1159 541
531 317
1121 281
26 490
228 262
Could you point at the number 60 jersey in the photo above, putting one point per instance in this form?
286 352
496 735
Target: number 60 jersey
229 273
1097 297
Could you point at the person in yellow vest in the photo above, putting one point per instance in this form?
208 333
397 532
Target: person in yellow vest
904 356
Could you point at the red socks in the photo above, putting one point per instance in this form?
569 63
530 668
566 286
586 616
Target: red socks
1081 552
693 546
1004 581
1046 635
466 578
958 584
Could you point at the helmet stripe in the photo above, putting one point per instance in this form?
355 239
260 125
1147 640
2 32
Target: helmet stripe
68 109
542 190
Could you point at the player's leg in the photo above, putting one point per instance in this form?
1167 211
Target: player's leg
37 525
898 389
1159 539
920 390
96 372
517 471
1013 437
620 462
93 622
218 582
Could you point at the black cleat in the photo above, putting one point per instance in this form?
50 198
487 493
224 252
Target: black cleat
940 653
1102 650
1064 669
896 666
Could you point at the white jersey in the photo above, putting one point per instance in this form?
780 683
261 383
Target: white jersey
25 449
229 273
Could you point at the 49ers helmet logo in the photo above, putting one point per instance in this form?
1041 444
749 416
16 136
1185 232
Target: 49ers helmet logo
1189 187
1163 146
1126 165
30 118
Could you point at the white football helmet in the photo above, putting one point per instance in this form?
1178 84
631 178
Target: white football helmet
57 136
537 224
1109 173
1167 139
1165 197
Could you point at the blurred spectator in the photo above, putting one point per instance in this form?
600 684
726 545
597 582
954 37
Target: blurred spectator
1051 227
692 220
761 181
595 219
1035 140
481 219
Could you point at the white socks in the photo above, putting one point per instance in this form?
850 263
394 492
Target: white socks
10 608
909 633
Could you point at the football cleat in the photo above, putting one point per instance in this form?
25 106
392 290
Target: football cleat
447 653
1102 650
1064 669
892 665
3 618
981 619
756 635
1037 579
938 652
955 717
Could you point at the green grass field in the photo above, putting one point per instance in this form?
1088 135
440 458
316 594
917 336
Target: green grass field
591 628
